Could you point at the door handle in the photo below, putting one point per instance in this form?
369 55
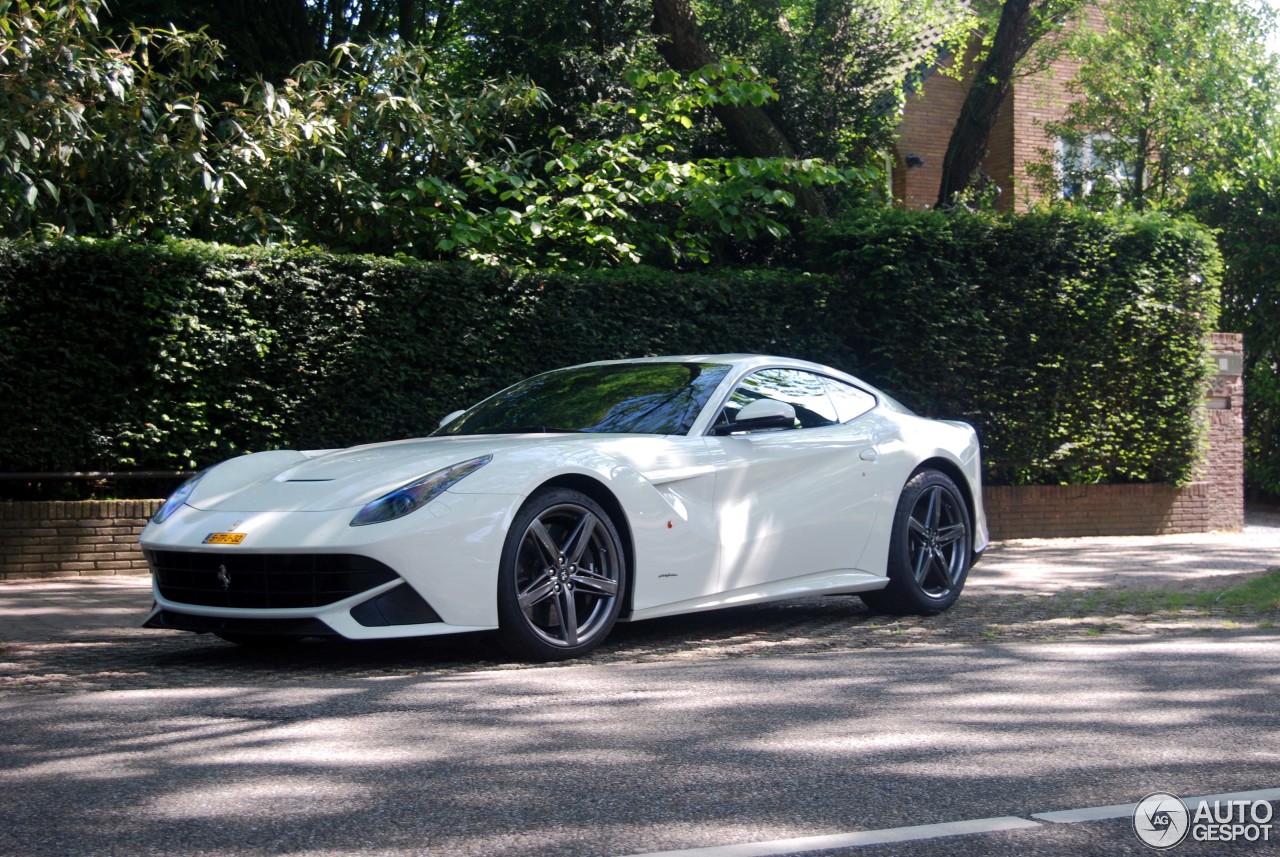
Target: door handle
869 454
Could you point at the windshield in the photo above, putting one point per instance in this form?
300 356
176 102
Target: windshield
643 398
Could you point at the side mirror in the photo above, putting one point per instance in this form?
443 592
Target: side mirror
761 414
450 418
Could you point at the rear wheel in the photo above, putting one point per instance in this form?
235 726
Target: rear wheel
931 548
562 577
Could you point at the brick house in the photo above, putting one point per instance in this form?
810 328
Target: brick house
1017 141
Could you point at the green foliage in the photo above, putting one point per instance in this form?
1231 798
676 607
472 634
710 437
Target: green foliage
1243 202
1168 91
843 68
99 137
370 151
1075 343
1072 342
1177 110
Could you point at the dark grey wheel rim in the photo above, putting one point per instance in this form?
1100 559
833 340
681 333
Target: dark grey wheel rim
938 541
567 576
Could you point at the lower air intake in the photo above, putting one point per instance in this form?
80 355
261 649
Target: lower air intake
263 581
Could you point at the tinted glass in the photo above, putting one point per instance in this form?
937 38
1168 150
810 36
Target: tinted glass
850 402
802 390
644 398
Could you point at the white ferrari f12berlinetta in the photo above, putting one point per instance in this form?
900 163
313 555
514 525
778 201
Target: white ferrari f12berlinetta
619 490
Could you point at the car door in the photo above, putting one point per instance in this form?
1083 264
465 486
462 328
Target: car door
795 501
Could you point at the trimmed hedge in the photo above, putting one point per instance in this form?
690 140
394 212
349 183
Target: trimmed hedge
1248 220
1074 343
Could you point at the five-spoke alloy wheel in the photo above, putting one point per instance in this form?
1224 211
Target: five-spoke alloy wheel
563 577
931 547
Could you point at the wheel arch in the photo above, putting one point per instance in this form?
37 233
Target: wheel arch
598 491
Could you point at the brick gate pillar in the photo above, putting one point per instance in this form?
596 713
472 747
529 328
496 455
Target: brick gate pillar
1223 468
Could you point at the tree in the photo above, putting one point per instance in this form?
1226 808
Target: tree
837 67
1168 91
368 153
841 68
1021 24
270 37
257 37
103 137
1178 110
752 131
371 150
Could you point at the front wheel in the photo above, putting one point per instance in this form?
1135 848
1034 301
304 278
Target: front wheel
930 550
562 577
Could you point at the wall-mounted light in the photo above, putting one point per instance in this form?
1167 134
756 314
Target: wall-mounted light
915 161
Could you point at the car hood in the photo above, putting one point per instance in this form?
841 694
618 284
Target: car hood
328 480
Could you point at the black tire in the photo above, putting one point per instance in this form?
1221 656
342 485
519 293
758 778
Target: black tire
562 558
930 550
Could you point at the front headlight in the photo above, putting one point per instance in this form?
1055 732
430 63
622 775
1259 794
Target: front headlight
415 495
177 498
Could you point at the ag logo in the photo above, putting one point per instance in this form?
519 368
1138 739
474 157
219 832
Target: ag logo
1161 820
224 578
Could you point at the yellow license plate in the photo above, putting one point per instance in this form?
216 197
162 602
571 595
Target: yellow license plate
224 538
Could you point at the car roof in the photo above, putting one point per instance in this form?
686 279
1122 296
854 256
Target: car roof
740 360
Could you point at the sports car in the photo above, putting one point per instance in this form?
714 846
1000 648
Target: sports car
611 491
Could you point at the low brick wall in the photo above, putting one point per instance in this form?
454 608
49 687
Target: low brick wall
1061 511
1214 500
72 539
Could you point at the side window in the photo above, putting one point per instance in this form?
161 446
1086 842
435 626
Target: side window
850 402
804 391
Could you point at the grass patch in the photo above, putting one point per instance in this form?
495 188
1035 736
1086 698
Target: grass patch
1259 595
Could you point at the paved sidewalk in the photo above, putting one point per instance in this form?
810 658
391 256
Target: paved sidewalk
103 608
1192 561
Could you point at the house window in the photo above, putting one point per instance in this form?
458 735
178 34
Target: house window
1093 163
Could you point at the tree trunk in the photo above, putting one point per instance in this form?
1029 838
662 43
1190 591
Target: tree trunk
750 129
972 132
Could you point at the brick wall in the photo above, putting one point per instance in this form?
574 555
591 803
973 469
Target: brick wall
1213 501
927 120
1036 99
72 539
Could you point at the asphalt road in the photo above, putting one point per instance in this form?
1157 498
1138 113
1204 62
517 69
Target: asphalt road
613 759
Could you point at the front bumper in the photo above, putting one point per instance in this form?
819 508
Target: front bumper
310 573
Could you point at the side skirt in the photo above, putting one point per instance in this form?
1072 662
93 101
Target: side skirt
842 582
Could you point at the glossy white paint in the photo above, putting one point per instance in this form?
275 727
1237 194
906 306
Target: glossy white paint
712 521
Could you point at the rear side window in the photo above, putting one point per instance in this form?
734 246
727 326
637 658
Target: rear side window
850 402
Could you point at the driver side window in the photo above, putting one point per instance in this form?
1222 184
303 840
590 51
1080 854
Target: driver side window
804 391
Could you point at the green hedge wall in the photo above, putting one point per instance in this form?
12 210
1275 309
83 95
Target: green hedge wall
1072 342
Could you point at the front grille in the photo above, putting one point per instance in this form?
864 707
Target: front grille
262 581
